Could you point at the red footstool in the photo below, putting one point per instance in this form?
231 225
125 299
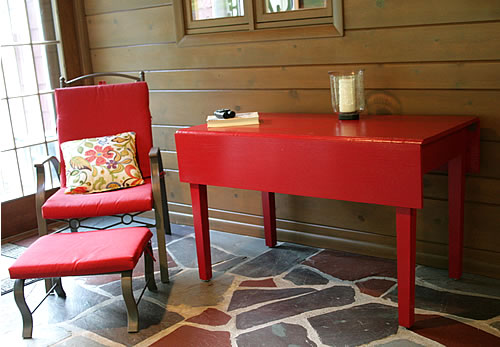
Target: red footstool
80 254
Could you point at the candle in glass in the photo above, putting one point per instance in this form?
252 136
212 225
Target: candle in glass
347 94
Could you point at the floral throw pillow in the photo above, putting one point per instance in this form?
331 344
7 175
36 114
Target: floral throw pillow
101 164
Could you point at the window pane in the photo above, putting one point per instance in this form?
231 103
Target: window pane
292 5
49 116
9 175
41 20
47 67
26 158
26 120
13 22
6 138
19 70
208 9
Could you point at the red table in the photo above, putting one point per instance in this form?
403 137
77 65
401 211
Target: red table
377 160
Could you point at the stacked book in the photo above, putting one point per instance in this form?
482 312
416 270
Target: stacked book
249 118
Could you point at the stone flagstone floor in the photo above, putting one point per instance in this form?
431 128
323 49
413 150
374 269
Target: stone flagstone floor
291 295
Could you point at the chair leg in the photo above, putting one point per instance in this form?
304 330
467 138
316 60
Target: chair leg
23 308
59 288
128 297
149 269
162 226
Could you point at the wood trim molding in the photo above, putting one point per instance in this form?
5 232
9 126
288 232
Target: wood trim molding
74 38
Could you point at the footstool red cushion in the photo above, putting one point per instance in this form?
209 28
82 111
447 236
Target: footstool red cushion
82 253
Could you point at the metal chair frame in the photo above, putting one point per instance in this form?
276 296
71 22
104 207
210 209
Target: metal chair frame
160 203
127 292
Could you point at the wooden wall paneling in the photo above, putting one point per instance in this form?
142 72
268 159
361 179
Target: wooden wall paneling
428 57
169 107
481 220
428 253
477 189
169 160
163 136
461 75
360 14
456 43
151 25
99 6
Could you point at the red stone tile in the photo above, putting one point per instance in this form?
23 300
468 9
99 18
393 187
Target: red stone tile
375 287
452 333
258 283
211 316
188 336
350 266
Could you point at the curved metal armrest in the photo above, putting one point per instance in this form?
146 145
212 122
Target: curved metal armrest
40 176
40 189
156 163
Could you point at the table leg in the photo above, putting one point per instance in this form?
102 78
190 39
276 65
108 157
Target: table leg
406 229
269 212
456 192
201 230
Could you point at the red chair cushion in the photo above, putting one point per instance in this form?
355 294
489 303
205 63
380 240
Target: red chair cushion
133 199
82 253
108 109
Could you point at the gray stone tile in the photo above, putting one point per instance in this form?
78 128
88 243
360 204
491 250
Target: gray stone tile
186 288
249 297
330 297
188 259
400 343
303 276
110 321
115 288
467 306
238 244
275 261
468 283
79 341
356 325
228 264
277 335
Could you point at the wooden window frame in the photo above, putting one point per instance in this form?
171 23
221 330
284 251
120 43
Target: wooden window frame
256 25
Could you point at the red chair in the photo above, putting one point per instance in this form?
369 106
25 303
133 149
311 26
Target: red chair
101 110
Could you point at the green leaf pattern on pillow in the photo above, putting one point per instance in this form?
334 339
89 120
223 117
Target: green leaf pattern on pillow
101 164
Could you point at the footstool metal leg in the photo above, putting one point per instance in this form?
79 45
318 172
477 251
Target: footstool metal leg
128 297
23 308
59 288
149 269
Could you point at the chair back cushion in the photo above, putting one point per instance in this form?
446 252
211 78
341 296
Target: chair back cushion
101 110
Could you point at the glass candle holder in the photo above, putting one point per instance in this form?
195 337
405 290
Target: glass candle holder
348 93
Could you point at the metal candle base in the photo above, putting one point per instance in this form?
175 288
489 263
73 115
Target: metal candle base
348 116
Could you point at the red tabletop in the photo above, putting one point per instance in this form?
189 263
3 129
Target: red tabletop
377 159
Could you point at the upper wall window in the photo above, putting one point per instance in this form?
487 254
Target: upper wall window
242 19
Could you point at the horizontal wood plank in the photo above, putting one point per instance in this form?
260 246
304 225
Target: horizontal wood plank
468 75
170 107
100 6
477 189
360 14
478 42
151 25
